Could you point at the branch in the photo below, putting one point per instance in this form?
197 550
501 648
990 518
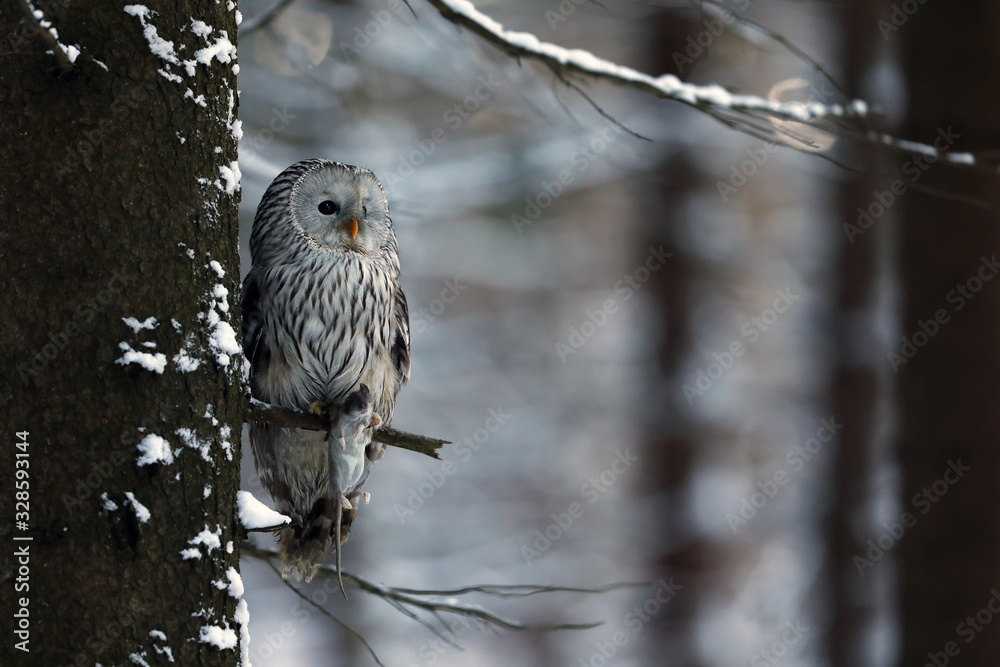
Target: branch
284 418
360 637
436 602
726 107
44 30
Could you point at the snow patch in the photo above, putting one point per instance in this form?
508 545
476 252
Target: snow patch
170 76
233 582
186 363
154 449
109 505
231 175
141 513
223 341
200 28
215 266
221 638
161 650
200 100
209 414
136 325
227 446
151 362
242 618
208 538
160 47
222 50
192 440
255 514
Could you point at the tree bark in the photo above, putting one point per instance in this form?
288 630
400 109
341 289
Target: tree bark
950 379
120 190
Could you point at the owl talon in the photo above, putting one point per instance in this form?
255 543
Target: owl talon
376 421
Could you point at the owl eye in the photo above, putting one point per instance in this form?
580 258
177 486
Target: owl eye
364 210
328 207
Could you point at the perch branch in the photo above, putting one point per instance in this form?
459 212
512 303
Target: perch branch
284 418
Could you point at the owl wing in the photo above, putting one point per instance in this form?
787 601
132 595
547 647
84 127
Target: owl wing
400 352
399 356
254 346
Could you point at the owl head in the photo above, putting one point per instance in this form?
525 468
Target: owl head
339 207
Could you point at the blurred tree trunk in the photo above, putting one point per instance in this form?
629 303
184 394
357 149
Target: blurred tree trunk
668 444
855 382
114 205
950 388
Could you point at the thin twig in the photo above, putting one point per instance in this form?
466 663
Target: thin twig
419 599
325 612
523 590
284 418
784 41
598 109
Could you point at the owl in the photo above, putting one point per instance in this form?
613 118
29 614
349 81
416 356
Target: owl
326 329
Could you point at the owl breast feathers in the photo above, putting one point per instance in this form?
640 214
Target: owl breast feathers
323 313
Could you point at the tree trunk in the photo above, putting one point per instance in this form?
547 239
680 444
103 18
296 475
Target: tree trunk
119 194
855 382
949 371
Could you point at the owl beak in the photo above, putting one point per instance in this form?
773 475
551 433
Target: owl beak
352 228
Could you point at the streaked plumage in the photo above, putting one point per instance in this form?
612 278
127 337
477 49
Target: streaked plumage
323 314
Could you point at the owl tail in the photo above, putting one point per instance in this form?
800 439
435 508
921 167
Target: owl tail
305 544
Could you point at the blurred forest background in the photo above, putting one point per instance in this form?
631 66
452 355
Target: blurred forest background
675 365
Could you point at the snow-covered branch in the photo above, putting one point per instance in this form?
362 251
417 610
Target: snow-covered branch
757 116
262 412
577 61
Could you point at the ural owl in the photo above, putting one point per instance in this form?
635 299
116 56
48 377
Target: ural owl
326 328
